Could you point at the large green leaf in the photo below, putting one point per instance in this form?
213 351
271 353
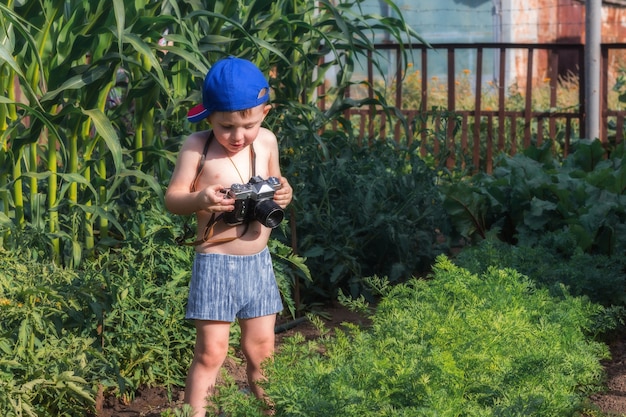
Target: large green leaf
78 82
108 133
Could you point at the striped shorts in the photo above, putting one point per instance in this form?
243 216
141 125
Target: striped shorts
225 287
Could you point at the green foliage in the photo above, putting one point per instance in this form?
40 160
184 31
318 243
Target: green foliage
532 194
144 334
231 400
45 366
185 411
460 344
363 211
289 269
554 262
95 96
117 322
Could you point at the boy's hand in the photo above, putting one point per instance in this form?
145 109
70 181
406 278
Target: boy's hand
215 199
284 194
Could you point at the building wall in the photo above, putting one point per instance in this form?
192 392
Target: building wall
443 21
535 21
514 21
557 21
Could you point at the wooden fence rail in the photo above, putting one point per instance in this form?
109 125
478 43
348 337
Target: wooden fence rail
472 137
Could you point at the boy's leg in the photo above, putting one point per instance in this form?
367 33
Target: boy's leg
209 354
257 344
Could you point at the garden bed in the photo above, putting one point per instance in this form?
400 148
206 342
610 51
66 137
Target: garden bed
151 402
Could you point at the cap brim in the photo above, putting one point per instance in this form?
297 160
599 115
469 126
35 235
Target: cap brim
197 114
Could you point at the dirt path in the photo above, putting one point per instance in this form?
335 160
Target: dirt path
614 399
151 402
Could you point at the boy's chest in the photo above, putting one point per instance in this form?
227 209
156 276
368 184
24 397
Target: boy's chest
234 170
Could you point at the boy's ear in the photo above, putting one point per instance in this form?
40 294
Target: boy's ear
266 109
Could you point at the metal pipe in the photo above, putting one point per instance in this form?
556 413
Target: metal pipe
593 38
289 325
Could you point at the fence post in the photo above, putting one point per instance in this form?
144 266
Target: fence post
593 38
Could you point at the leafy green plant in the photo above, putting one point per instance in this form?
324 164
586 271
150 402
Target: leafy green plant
531 194
116 323
368 210
185 411
459 344
46 366
552 263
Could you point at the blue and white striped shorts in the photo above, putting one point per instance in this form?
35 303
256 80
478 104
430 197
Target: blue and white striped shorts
223 287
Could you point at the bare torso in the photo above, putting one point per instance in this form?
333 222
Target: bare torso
220 169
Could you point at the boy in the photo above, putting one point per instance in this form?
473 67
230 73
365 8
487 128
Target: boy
232 273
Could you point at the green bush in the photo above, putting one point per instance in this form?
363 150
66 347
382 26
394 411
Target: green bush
46 365
115 323
555 261
532 194
460 344
363 210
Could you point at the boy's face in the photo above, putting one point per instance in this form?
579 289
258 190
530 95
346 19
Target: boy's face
236 130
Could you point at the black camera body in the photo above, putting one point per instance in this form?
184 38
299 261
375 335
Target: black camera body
255 201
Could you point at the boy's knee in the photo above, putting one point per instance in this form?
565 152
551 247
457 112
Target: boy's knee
213 357
258 351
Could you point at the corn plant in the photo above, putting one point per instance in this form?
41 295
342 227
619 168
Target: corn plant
62 60
95 94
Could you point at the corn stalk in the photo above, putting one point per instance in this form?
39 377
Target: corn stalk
91 157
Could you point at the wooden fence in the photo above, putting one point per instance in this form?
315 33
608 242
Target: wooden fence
471 137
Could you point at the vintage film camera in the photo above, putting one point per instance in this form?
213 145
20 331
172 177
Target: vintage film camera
255 201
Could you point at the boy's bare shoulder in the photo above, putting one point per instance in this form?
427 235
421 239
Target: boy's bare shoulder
266 137
195 141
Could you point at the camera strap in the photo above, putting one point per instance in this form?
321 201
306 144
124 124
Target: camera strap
188 232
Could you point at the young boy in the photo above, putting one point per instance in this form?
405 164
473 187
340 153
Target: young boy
232 273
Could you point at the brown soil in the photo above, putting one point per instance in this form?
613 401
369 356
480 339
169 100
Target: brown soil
151 402
613 400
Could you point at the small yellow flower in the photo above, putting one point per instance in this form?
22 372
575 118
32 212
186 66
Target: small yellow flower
5 302
546 80
466 71
410 65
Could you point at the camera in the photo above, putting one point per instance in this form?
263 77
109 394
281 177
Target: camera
255 201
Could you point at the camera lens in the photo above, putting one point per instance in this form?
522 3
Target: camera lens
268 213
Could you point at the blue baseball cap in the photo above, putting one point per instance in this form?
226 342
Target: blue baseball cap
232 84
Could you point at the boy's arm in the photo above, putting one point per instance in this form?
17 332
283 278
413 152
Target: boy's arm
179 198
